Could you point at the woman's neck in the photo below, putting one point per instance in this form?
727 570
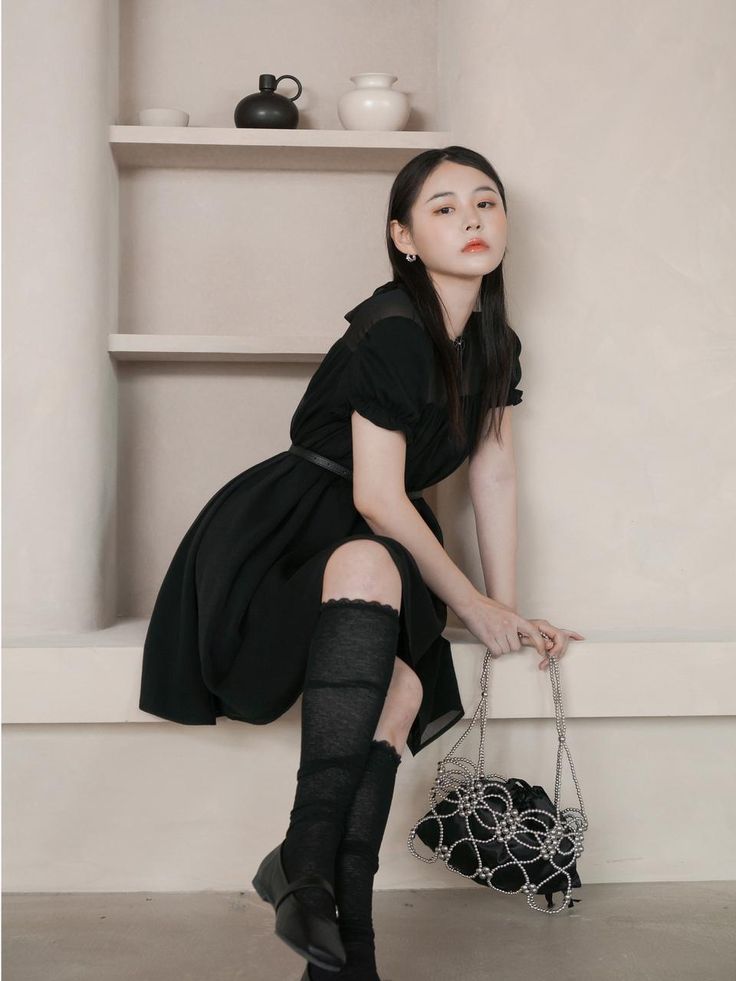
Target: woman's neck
458 298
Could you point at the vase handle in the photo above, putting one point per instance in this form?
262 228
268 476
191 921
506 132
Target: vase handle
291 98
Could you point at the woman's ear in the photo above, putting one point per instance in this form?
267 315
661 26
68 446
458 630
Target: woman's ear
401 237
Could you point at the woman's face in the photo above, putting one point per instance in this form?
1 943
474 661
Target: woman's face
442 225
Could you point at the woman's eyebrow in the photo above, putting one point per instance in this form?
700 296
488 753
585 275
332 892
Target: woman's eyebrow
442 194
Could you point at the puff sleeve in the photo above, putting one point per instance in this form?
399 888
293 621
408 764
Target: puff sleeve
515 393
387 377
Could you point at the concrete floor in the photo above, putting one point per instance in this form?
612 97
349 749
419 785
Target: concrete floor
647 931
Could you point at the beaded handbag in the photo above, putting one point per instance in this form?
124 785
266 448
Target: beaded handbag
504 833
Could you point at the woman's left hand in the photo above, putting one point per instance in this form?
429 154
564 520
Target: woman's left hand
556 641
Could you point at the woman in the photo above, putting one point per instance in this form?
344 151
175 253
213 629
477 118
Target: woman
302 577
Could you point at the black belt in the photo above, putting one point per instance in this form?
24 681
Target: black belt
323 461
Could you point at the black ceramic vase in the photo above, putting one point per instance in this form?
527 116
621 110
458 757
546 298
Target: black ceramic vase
266 108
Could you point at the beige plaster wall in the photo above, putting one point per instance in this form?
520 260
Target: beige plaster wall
611 126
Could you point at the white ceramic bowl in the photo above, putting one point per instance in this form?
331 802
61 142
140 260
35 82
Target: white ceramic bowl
163 117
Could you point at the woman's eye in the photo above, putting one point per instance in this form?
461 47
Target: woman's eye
447 207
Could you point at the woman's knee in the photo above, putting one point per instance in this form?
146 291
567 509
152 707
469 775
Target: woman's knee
365 569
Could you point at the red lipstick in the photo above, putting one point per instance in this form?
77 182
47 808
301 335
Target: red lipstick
475 245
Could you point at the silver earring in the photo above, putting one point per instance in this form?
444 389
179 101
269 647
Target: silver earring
411 258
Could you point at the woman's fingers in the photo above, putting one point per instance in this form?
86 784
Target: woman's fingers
551 645
547 640
527 629
561 641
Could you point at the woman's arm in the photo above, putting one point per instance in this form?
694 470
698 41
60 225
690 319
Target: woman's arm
379 457
492 483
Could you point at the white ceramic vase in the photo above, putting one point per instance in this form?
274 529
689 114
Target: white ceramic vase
373 104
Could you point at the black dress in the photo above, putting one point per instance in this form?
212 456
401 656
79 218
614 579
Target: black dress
231 626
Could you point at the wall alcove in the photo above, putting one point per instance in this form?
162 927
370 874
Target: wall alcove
167 297
229 257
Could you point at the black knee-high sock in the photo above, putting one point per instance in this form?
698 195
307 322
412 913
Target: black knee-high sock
357 864
350 664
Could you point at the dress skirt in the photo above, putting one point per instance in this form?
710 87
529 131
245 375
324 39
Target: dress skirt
231 627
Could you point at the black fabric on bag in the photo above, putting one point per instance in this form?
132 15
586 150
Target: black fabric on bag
523 846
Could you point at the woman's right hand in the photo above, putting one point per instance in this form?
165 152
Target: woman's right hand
498 627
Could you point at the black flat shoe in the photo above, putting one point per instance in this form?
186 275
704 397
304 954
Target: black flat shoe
306 975
308 933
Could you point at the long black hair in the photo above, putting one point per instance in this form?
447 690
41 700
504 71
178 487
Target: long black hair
497 348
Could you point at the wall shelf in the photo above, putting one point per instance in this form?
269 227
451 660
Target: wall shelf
218 347
281 149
